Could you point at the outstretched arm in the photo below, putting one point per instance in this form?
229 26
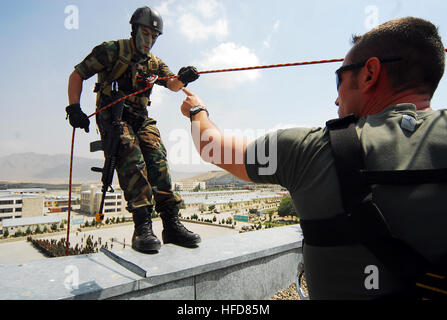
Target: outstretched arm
226 152
74 88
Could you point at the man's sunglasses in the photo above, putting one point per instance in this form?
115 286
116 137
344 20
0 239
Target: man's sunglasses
357 65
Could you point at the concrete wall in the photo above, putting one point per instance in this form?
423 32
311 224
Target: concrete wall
32 207
248 266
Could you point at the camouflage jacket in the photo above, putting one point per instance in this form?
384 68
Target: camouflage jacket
103 59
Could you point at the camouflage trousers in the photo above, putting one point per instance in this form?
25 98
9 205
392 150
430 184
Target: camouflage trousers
142 167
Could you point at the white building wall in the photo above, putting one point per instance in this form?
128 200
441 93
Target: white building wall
32 207
10 207
91 200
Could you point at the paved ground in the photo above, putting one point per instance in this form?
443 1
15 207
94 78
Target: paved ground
23 251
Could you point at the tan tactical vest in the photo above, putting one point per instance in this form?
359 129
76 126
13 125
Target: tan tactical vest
107 78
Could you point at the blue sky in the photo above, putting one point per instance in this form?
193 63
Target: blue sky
40 49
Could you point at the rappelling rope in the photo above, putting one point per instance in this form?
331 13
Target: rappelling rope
167 78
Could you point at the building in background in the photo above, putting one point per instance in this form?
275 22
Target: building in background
27 191
189 185
20 205
59 204
11 226
114 203
230 200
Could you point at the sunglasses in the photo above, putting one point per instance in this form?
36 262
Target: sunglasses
357 65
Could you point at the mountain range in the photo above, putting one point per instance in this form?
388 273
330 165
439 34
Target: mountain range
34 167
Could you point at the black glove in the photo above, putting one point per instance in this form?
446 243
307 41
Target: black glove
77 118
188 74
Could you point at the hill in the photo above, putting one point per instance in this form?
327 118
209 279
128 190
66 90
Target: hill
217 178
32 167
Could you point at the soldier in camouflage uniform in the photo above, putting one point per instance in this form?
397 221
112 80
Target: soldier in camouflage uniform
142 166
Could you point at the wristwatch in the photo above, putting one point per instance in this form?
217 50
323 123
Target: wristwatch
195 110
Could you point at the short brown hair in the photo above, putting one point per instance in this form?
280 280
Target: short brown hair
417 41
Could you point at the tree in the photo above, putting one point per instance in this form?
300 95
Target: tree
286 207
6 233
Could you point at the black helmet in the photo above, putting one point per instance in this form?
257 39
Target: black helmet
148 17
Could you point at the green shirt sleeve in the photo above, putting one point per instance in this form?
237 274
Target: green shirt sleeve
284 157
163 71
101 58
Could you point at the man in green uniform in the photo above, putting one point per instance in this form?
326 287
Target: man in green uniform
387 81
123 67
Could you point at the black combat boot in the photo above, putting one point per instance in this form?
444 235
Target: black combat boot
175 232
144 239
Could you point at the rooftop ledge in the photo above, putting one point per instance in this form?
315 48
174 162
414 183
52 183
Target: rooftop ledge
247 266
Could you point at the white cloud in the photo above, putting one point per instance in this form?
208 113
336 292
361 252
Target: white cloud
230 55
276 26
166 11
158 96
208 8
194 29
275 29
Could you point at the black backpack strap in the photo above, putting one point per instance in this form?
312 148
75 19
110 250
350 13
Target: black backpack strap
348 156
362 221
399 177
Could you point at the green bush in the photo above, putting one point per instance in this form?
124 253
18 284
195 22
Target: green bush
286 208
